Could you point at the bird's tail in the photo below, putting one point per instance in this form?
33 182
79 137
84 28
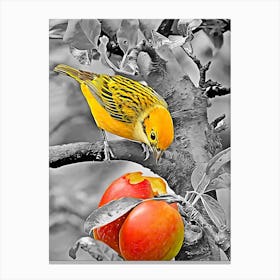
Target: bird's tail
79 75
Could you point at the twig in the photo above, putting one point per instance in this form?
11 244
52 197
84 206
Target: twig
212 88
216 90
202 68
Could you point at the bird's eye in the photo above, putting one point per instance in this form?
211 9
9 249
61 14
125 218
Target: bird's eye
153 136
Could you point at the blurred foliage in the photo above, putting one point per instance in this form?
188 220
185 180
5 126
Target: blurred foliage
75 190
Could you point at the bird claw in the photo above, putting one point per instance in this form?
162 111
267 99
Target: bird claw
146 151
108 153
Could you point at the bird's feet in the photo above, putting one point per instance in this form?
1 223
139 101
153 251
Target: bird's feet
108 153
146 151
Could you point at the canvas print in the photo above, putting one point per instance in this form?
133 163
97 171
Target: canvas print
139 135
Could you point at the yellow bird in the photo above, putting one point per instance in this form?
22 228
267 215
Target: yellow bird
125 108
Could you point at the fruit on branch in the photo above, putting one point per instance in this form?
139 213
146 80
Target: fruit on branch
153 230
137 186
129 185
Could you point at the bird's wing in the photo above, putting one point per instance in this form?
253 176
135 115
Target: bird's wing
124 99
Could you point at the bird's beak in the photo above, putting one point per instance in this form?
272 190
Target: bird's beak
157 154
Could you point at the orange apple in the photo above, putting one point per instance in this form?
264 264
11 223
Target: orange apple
153 230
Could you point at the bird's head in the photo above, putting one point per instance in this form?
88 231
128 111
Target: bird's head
158 128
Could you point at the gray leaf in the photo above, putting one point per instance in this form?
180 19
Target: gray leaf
97 249
158 40
127 34
194 24
82 33
197 175
217 162
110 212
57 28
221 182
214 210
188 47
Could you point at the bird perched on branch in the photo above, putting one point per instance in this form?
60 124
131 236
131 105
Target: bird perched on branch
125 108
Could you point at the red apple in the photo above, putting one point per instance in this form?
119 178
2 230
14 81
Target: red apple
153 230
129 185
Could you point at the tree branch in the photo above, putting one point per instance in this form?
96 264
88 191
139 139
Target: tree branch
83 151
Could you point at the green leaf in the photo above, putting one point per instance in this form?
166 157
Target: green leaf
214 210
110 212
221 182
97 249
82 34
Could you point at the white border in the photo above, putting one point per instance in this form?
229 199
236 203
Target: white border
24 138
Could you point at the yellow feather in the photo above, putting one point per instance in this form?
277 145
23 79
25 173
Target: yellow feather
125 107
